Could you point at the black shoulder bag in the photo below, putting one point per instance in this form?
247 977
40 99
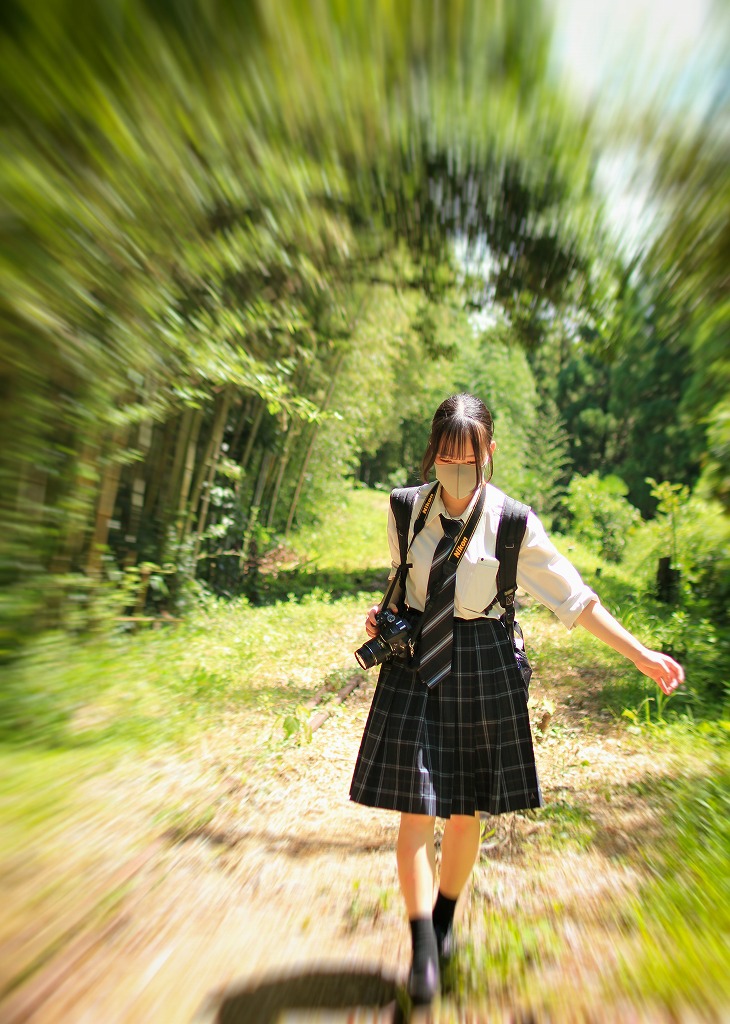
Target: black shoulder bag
512 526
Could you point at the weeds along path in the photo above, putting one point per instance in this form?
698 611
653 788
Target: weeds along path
278 892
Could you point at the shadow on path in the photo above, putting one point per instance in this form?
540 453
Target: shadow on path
294 845
266 1001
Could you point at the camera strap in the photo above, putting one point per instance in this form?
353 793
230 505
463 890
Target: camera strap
457 553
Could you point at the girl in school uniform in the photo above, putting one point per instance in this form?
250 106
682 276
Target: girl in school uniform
464 746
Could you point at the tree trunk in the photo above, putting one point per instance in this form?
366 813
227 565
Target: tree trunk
210 459
84 488
187 476
291 436
218 431
137 499
243 415
253 514
157 468
105 508
253 433
172 485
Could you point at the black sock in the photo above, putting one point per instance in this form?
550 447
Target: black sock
424 943
443 914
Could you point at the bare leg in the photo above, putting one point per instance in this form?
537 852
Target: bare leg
416 863
416 869
459 849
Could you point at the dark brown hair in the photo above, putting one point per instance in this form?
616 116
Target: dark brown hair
459 419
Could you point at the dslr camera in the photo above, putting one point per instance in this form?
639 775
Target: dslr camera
393 640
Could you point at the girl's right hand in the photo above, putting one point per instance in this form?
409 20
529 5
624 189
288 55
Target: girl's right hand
371 626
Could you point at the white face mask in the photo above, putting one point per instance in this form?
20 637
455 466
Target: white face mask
457 480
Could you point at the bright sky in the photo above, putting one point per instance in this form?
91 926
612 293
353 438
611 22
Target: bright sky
608 46
632 54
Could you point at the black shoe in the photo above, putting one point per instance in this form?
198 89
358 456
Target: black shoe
424 985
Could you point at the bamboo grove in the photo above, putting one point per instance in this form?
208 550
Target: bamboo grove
232 231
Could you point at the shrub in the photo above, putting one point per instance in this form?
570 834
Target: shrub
600 515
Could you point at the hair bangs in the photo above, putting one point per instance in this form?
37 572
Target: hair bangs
459 421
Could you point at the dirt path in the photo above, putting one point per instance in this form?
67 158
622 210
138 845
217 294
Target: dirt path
285 894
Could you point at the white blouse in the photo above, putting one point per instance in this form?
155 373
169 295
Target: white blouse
541 570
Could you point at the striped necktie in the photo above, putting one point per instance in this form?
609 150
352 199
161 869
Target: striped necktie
437 631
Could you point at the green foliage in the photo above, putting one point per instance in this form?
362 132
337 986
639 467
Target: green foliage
599 513
363 545
683 916
695 533
531 458
153 688
211 248
688 260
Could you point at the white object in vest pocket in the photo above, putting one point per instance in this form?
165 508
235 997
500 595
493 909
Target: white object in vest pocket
476 585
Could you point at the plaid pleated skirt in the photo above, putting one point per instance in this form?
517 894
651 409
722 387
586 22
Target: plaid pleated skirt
465 746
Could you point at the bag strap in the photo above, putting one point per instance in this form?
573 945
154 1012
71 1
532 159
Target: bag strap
511 530
402 500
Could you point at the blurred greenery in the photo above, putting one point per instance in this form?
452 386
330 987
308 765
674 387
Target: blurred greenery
683 915
599 513
247 248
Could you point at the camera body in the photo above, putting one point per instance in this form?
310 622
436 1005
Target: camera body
392 641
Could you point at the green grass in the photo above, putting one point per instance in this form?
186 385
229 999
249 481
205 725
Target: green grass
682 958
166 686
512 945
351 541
571 823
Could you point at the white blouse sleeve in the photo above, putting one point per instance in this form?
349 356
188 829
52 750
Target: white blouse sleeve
549 577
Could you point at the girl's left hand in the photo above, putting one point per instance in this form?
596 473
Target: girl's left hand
665 671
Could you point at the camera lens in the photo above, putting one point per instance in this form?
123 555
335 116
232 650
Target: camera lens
372 653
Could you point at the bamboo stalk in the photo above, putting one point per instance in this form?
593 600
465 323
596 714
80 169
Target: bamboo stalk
292 434
219 430
211 448
183 434
188 471
240 423
163 438
105 507
137 500
253 433
310 447
255 509
84 482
